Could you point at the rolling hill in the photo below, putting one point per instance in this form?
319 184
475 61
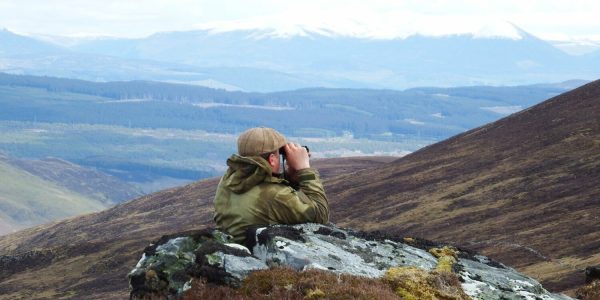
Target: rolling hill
88 182
39 191
150 134
27 200
522 190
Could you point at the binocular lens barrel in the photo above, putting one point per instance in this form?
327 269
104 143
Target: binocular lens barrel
282 150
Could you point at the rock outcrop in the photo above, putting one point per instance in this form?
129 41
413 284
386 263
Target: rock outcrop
409 267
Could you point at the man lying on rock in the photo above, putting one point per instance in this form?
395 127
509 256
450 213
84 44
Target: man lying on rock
253 191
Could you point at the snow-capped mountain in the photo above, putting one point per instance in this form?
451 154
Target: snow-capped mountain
296 57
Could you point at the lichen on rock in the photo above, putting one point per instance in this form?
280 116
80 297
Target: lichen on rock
168 266
409 269
447 257
412 283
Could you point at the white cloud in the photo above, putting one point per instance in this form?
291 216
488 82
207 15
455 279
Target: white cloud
558 20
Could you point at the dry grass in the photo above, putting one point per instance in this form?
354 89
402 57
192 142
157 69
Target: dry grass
590 291
522 190
283 283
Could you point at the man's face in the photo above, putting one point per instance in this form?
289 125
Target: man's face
275 162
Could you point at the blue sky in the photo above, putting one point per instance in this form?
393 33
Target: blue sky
552 20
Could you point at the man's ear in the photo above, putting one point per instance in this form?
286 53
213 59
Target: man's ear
273 157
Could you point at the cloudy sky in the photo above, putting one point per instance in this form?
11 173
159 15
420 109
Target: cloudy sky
550 19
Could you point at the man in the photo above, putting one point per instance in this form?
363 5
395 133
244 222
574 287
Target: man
253 192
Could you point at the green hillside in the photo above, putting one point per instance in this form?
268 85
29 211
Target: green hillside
27 200
156 135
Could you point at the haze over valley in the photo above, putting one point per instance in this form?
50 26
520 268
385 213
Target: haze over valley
156 135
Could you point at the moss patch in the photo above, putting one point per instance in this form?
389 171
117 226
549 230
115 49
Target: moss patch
412 283
446 258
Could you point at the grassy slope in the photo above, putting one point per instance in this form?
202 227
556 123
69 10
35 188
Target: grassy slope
87 182
27 200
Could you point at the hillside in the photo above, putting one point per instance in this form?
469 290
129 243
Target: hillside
84 181
27 200
523 190
91 254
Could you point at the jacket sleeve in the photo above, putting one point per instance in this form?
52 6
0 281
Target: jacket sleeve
308 204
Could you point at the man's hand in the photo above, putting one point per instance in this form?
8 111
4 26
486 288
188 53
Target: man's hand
297 157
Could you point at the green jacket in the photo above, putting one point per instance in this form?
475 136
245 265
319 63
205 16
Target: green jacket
249 195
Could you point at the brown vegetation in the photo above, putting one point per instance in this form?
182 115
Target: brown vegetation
283 283
92 254
590 291
523 190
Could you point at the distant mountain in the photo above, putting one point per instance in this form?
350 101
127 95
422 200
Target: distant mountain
26 55
396 63
12 44
523 190
258 60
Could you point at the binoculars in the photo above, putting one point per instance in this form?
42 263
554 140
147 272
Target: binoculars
284 173
282 150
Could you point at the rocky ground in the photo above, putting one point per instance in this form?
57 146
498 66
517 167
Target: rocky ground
405 267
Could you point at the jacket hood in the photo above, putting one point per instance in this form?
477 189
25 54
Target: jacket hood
245 172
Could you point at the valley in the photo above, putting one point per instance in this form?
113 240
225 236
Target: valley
521 190
158 135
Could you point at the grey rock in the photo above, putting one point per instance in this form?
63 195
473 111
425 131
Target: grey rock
349 255
168 266
482 281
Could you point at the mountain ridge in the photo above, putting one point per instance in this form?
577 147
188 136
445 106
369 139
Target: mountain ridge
232 59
